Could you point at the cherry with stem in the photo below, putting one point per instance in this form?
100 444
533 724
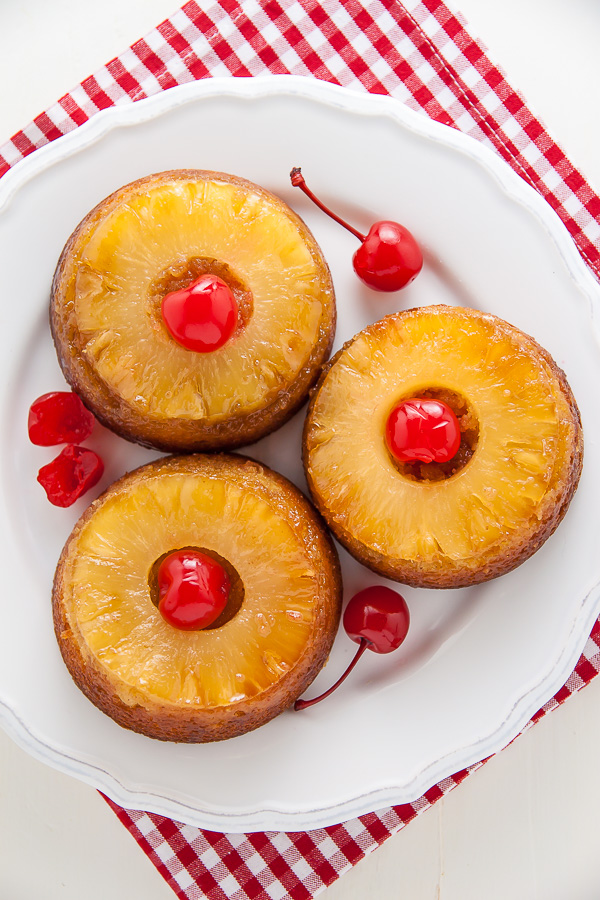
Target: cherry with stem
377 618
388 258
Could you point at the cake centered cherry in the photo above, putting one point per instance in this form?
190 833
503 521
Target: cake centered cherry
193 589
377 619
388 258
423 430
202 316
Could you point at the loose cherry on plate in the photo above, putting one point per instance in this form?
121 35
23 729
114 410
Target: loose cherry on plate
59 418
193 589
378 619
73 472
422 429
388 258
201 316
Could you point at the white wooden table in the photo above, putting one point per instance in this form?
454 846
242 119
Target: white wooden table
524 826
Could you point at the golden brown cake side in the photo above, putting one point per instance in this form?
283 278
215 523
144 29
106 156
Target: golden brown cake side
82 354
146 705
432 568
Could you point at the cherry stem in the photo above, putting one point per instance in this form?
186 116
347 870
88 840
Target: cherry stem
303 704
297 179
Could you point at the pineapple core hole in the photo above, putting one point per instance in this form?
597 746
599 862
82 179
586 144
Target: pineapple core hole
469 437
183 273
236 590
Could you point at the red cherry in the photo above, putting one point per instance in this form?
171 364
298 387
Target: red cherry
193 589
202 316
388 258
425 430
73 472
59 418
379 615
378 619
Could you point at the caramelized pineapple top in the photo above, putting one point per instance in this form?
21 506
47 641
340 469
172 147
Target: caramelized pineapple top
523 456
157 226
238 512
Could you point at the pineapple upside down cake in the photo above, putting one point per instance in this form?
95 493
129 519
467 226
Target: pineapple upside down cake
197 598
200 595
192 310
442 446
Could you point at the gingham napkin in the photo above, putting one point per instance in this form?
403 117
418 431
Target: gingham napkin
422 54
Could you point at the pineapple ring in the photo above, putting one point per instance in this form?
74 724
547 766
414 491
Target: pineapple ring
145 240
492 513
213 683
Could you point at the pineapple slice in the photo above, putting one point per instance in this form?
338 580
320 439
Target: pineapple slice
157 235
508 494
217 681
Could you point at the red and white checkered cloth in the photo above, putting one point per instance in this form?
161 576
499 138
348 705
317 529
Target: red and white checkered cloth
420 53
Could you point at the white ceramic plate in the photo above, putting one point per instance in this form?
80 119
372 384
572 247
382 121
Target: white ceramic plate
477 662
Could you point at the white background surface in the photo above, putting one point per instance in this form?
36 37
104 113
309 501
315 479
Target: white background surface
525 825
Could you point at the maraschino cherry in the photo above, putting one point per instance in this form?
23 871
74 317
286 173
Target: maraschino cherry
424 430
59 418
193 589
388 258
202 316
377 618
70 474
